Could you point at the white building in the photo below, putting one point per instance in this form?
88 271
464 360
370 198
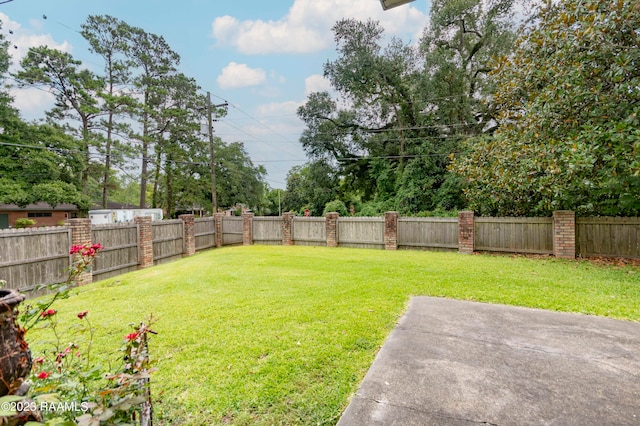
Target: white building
101 217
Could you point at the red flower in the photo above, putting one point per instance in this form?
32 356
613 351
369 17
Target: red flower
82 314
131 336
48 313
39 360
86 250
43 375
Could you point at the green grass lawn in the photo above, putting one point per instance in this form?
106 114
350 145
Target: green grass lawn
284 335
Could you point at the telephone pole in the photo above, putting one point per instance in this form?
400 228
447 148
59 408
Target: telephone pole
214 195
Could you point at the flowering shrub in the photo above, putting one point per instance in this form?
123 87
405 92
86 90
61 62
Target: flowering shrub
67 373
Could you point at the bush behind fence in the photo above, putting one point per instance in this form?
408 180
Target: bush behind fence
40 256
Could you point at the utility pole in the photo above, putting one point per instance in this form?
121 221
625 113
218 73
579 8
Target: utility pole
214 195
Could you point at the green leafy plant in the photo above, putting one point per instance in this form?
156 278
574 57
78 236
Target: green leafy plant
24 222
71 385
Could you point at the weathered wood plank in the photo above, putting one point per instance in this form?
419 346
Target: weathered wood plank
309 231
267 230
608 237
35 257
231 230
363 232
430 232
514 235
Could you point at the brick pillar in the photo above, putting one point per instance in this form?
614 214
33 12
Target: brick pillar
247 229
81 235
189 247
564 234
287 229
391 231
145 241
466 229
332 229
218 220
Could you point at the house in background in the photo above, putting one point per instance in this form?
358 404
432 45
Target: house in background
42 213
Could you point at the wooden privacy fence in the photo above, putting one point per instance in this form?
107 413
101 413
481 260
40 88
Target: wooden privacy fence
267 230
120 253
231 230
608 236
35 257
514 234
309 231
40 256
361 232
428 233
168 240
205 233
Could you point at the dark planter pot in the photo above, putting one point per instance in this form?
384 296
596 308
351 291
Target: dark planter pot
15 356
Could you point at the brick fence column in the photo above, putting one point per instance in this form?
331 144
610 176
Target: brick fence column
189 247
466 229
218 223
391 231
564 234
247 229
332 229
287 229
81 235
145 241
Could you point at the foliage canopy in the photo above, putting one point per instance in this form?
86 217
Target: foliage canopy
568 100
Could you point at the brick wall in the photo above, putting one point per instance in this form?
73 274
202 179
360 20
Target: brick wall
145 241
287 229
564 234
466 229
332 229
53 220
247 229
189 234
391 230
218 219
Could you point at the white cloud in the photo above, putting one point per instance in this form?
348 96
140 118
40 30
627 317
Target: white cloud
31 102
236 75
316 83
307 26
23 38
278 108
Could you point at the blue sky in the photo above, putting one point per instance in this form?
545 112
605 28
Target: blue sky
263 57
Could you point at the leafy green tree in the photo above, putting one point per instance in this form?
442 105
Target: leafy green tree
37 162
311 187
179 111
459 45
75 89
125 190
401 111
568 103
107 38
239 181
272 203
335 206
6 110
153 60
